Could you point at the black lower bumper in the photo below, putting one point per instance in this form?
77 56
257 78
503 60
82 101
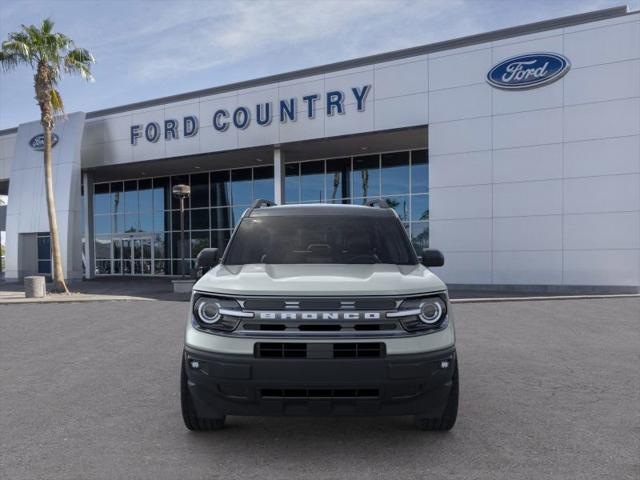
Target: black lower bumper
416 384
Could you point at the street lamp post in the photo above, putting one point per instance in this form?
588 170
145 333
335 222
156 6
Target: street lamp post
182 192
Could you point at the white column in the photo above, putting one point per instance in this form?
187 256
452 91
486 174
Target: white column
89 261
278 175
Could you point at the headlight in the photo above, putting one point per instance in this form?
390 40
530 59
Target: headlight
417 314
208 310
431 311
214 313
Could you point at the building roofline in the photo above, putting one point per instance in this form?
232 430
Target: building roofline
494 35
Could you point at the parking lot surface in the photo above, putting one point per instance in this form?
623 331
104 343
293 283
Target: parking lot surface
549 389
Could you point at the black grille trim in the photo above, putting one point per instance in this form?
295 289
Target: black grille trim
324 393
335 350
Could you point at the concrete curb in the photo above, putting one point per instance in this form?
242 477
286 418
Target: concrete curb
74 299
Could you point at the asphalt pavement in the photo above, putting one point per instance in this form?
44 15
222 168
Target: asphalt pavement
549 390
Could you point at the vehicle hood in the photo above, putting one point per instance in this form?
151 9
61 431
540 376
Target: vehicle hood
319 279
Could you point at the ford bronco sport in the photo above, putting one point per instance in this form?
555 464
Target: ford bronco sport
319 310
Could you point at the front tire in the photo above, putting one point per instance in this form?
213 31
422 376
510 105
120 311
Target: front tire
448 418
191 419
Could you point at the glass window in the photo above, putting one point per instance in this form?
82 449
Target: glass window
44 247
146 222
117 248
420 235
263 183
145 195
102 224
241 192
117 223
401 205
175 245
419 207
312 181
175 220
200 219
179 180
131 222
101 198
220 189
131 203
220 238
334 239
117 198
366 176
419 171
236 214
338 179
160 245
292 183
161 222
161 194
103 267
44 266
103 247
162 267
220 218
200 190
199 240
395 173
178 265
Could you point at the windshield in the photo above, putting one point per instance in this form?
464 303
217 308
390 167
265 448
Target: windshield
343 239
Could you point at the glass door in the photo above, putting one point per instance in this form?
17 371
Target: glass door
132 256
142 256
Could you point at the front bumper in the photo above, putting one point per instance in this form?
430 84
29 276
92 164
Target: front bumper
228 384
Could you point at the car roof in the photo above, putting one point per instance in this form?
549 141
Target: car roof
319 209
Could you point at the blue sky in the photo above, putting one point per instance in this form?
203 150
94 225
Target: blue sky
149 49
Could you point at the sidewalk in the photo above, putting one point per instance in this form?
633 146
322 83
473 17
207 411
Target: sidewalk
103 289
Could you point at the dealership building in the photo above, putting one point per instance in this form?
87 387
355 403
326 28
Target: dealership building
515 152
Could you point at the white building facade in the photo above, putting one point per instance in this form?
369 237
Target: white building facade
515 152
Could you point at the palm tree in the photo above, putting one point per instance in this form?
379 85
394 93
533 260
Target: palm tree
50 55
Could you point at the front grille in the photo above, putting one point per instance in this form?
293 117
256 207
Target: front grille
307 393
281 350
320 350
358 350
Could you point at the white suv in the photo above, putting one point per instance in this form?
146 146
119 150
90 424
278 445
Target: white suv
319 310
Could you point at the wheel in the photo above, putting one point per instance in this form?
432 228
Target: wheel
191 419
448 418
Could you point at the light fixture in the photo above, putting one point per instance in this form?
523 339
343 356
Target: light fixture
364 148
259 160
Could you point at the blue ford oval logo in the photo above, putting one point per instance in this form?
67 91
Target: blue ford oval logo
37 142
528 71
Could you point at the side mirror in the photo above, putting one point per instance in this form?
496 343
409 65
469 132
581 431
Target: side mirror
432 257
206 260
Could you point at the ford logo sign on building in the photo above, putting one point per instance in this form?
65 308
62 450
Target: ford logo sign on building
37 142
528 71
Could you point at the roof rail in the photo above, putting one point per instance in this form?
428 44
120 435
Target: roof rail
377 202
259 203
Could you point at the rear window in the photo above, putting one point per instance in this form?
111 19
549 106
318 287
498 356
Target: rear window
342 239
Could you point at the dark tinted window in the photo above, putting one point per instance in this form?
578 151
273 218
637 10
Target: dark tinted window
342 239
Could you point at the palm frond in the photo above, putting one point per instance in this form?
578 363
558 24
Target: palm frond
47 26
79 61
56 101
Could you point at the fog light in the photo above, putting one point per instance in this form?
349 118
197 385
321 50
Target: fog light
444 364
194 364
